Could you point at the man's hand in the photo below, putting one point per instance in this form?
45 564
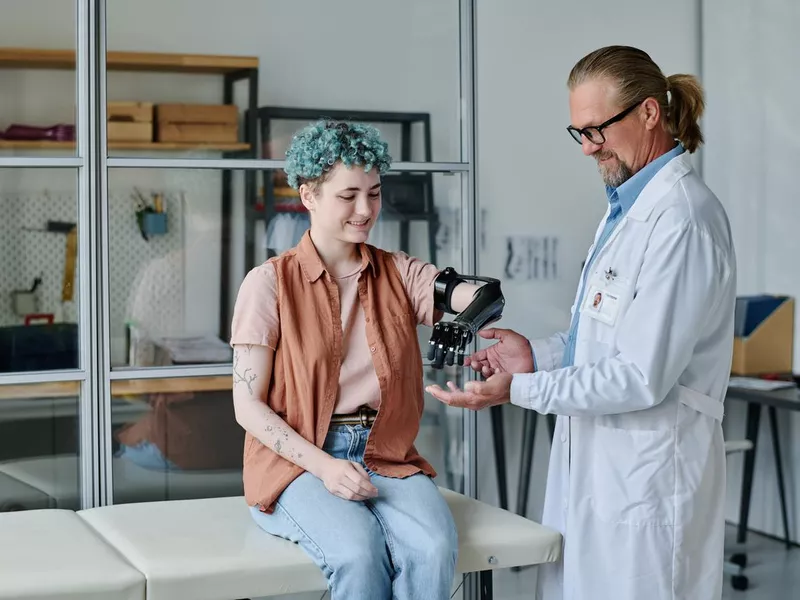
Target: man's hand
511 354
476 394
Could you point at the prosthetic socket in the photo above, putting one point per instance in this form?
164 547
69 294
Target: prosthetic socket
449 341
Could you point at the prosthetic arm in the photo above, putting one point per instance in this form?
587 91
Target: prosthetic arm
449 341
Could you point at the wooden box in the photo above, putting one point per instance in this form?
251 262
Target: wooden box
197 134
130 122
135 112
129 132
769 347
195 114
197 123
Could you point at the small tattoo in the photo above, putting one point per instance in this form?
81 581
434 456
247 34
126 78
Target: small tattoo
247 378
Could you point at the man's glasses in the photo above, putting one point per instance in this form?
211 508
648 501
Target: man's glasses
595 134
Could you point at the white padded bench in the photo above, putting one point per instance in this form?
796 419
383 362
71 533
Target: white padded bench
213 550
16 495
56 478
55 555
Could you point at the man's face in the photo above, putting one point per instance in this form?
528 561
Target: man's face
591 104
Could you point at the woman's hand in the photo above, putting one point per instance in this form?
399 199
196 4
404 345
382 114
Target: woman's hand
347 480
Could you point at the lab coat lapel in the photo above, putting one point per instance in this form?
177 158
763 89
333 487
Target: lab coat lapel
658 187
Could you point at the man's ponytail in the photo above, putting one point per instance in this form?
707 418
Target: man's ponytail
686 105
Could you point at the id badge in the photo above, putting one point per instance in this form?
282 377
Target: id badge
602 302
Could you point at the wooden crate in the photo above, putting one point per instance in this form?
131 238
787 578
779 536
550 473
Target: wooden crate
197 123
119 131
197 133
195 114
130 121
136 112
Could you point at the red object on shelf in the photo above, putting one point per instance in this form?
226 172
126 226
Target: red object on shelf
290 208
56 133
39 319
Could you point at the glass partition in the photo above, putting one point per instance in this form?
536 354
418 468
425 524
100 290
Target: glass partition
396 64
38 78
39 446
39 238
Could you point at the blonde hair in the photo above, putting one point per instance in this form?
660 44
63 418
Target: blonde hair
637 78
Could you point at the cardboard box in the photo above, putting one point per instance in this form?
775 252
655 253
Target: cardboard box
218 114
769 347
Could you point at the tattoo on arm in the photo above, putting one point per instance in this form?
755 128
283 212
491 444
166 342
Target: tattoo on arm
245 377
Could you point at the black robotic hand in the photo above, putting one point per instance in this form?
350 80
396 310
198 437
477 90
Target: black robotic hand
450 341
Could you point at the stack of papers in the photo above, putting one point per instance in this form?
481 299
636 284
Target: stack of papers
194 350
754 383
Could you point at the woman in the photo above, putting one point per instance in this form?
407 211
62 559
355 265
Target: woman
328 384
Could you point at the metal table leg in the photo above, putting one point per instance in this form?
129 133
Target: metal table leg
526 461
485 586
776 447
753 421
529 420
496 414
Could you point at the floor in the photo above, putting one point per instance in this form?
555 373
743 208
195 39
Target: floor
774 574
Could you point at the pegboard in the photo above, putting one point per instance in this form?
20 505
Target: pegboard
27 251
146 278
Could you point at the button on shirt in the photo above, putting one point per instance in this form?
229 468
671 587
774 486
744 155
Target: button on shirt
620 201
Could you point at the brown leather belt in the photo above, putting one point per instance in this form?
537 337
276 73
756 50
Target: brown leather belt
365 417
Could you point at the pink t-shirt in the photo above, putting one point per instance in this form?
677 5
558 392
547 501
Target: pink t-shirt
258 322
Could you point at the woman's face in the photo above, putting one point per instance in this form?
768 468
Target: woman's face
346 206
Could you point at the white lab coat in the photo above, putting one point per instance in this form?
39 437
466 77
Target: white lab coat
636 480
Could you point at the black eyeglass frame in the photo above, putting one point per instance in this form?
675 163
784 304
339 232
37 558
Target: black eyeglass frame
577 134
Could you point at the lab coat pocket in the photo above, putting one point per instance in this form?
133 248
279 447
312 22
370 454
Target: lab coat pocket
634 476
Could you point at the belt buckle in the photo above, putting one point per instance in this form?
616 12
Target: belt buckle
362 414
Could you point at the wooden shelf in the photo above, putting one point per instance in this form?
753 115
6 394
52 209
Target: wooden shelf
285 192
50 389
119 387
176 385
155 146
28 58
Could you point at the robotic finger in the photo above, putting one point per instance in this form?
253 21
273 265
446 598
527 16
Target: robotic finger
450 341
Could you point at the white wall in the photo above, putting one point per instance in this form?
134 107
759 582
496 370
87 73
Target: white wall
751 160
534 179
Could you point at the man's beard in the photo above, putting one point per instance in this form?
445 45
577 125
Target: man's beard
613 176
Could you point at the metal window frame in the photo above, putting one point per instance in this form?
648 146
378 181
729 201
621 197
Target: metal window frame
91 163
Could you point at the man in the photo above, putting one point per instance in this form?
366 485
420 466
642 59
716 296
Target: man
637 473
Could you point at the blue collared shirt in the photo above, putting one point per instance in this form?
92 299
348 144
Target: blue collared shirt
620 201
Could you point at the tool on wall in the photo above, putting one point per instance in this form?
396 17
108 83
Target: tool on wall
150 216
26 301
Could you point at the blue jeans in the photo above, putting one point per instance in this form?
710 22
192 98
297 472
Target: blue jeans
401 545
148 456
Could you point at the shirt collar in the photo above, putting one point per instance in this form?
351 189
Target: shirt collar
312 264
628 192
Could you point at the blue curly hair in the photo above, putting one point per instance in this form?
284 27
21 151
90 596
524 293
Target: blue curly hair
318 147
